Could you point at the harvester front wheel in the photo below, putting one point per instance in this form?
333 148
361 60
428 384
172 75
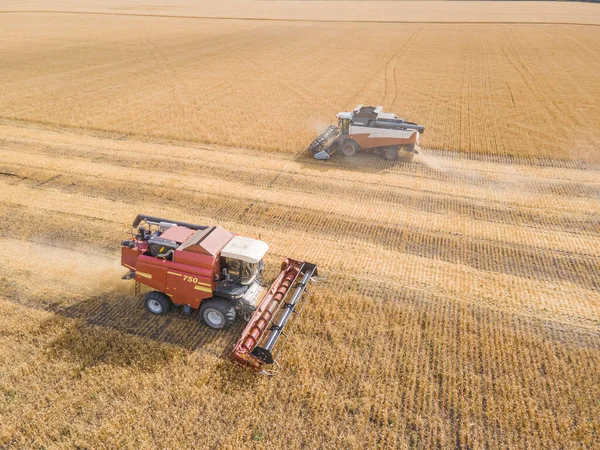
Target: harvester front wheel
158 303
217 313
350 148
391 153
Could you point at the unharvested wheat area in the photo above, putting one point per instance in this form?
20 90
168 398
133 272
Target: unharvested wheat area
461 305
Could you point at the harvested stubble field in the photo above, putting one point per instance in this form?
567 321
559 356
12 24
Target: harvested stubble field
462 302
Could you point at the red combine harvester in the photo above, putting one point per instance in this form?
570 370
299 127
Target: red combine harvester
219 273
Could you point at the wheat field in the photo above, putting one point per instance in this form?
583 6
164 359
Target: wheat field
460 306
520 90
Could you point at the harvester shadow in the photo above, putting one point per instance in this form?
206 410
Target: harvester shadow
105 318
362 162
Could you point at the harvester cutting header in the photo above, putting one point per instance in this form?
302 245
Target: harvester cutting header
369 128
219 273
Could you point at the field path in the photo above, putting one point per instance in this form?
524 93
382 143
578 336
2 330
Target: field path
465 290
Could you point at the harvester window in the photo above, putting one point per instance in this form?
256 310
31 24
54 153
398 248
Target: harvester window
249 272
240 271
344 126
233 267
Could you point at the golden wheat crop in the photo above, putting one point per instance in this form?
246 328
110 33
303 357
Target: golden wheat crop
461 307
523 90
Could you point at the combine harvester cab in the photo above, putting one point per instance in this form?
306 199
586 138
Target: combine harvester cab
220 274
369 128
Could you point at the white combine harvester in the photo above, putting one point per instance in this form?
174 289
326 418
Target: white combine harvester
368 128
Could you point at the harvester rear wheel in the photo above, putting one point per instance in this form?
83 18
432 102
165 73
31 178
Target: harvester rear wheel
350 148
158 303
391 153
217 313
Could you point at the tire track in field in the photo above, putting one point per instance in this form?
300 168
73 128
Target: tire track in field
391 68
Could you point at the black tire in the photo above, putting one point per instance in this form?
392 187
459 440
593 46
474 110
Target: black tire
158 303
217 313
350 148
390 153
